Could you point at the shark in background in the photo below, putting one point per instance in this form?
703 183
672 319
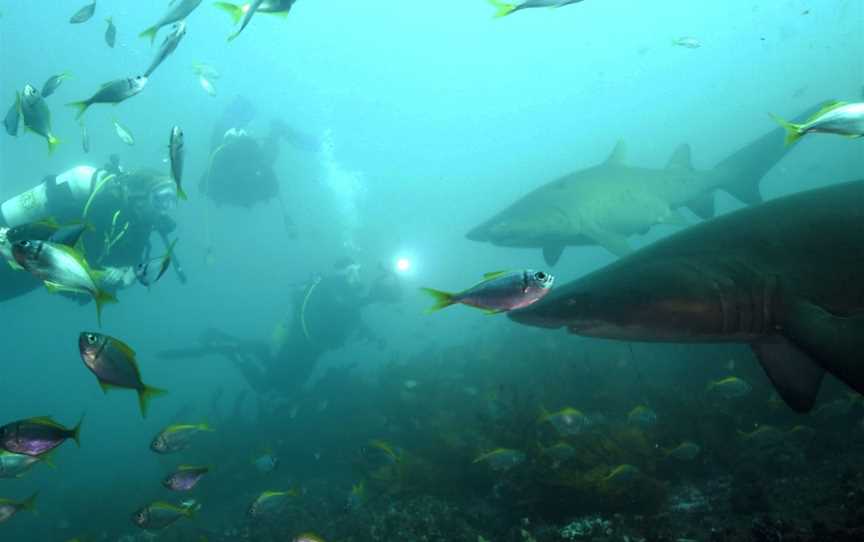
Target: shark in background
783 277
608 203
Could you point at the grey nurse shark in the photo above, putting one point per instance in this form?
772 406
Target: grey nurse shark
786 277
606 204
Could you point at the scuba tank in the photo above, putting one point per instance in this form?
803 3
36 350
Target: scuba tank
71 187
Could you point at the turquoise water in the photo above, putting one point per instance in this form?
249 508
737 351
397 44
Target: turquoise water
420 121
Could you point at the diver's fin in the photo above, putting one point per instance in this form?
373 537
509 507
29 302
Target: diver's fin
680 159
834 341
795 376
613 242
703 206
552 253
618 154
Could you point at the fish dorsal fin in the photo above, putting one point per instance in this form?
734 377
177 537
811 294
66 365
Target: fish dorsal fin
494 275
828 107
124 348
680 159
618 154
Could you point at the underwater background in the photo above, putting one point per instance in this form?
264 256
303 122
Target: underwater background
422 120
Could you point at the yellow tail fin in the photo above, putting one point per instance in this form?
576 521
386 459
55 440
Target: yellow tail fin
52 143
235 11
442 299
502 8
793 131
145 395
149 33
102 298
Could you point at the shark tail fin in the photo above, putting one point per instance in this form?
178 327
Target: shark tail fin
502 8
740 172
442 299
793 131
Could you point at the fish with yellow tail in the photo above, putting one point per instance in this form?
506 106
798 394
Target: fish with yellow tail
500 291
9 508
506 8
841 118
113 363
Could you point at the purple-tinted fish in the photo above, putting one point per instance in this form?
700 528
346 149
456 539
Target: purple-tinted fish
36 436
499 292
114 364
185 478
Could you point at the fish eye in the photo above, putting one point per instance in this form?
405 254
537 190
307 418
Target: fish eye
540 275
91 338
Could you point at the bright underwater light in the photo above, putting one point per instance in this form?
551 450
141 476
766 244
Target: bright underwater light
403 265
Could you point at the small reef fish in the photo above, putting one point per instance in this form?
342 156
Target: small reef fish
730 387
53 83
85 139
765 436
269 502
123 133
148 273
168 46
841 118
249 12
9 508
37 117
180 10
500 291
158 515
36 436
308 537
266 462
207 85
687 42
178 437
686 451
506 8
622 473
560 451
110 32
84 14
502 459
14 465
185 478
642 416
112 92
62 269
567 421
113 363
176 154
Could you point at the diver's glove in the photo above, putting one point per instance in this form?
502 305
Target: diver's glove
117 278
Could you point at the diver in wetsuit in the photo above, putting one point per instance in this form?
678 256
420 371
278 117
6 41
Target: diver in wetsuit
326 314
124 210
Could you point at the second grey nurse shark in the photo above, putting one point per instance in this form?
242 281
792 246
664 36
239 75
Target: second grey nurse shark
606 204
783 277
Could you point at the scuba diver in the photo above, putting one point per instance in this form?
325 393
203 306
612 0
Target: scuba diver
326 313
241 166
116 211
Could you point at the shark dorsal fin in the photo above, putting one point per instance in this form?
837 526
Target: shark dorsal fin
680 159
616 158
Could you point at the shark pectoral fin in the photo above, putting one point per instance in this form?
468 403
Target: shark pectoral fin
613 242
795 376
836 342
681 159
552 253
746 190
703 206
676 218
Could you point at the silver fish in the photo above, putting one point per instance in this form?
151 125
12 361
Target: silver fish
53 83
110 32
499 292
37 116
123 133
85 139
176 153
84 14
180 11
250 12
168 46
112 92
